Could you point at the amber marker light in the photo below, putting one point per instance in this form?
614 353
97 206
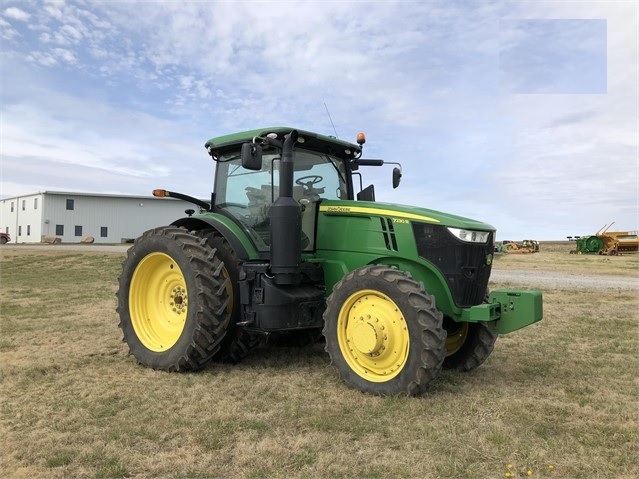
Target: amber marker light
160 193
361 138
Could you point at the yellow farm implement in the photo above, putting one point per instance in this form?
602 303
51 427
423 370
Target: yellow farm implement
608 242
524 247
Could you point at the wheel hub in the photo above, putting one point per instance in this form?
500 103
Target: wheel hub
367 338
178 300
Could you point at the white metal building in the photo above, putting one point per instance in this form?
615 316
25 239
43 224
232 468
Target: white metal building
72 216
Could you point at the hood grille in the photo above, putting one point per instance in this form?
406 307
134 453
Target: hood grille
388 231
463 265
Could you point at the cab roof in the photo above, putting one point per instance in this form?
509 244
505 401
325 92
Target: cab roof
307 139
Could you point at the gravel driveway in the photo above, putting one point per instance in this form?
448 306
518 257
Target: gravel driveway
557 280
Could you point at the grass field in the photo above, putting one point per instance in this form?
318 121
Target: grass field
559 399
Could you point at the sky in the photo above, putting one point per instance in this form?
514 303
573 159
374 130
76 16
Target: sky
521 114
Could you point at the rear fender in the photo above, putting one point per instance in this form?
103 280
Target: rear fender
237 238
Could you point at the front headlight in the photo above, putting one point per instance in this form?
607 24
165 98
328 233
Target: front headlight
470 236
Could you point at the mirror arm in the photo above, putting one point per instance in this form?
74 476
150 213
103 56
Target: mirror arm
394 163
369 162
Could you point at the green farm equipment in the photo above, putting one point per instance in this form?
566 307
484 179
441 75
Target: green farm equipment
588 245
292 245
606 242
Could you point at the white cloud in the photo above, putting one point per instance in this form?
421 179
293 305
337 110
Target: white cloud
7 32
54 9
43 58
65 55
16 14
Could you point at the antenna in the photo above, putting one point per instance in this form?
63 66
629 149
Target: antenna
329 117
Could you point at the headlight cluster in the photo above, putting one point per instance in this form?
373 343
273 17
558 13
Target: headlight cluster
470 236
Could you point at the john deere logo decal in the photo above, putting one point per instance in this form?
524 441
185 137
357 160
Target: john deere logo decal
376 211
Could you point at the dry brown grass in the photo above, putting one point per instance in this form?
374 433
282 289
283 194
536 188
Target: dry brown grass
561 393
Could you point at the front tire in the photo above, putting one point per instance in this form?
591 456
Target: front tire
468 345
383 332
172 300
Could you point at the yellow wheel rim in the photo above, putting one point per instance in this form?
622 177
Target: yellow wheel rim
373 336
456 338
158 302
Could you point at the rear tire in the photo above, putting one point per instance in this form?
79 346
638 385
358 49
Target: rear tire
172 300
383 332
238 342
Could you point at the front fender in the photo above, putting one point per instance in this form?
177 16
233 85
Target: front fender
336 264
433 281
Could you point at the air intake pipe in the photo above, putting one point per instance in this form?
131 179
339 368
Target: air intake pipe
286 222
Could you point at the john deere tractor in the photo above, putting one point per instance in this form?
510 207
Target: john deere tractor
291 243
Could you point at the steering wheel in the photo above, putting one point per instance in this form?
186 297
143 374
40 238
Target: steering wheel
311 180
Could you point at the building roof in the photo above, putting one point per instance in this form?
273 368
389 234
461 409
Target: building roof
79 193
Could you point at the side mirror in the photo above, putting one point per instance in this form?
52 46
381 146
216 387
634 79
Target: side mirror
252 156
397 175
367 194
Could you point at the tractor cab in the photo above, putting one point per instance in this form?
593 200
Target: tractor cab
253 172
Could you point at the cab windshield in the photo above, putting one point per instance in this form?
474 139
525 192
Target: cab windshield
247 195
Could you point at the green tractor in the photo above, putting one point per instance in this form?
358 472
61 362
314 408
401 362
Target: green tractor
291 244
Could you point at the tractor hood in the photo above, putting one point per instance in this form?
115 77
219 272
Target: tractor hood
410 213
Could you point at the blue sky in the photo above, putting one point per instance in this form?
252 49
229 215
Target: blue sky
521 114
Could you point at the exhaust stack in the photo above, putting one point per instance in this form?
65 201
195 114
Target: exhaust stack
286 222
